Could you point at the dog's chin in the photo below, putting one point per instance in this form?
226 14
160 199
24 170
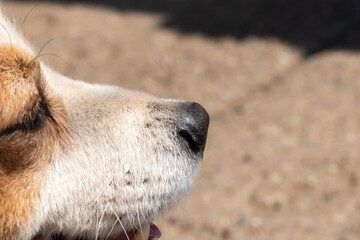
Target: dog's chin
147 231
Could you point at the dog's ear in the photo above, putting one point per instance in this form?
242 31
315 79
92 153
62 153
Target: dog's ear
19 86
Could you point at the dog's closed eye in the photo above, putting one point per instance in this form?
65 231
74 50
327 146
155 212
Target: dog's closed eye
36 120
32 121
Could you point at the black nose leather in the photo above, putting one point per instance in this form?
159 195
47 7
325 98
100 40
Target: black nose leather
193 125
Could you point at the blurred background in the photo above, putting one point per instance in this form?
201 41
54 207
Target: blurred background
280 79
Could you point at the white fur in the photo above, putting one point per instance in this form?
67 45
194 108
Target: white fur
88 186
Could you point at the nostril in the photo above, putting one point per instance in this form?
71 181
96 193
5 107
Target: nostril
193 125
190 141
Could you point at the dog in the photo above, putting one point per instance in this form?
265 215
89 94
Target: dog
87 161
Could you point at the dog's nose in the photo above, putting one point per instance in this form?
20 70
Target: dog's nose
193 125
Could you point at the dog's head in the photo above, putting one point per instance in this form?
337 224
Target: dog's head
88 161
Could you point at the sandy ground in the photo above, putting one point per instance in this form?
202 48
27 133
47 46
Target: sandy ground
283 154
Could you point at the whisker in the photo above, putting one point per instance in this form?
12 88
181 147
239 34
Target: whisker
102 191
96 200
99 223
141 230
35 5
112 228
54 55
48 236
127 236
46 43
184 210
118 219
132 224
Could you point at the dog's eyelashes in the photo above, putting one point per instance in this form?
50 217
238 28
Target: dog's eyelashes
32 122
37 120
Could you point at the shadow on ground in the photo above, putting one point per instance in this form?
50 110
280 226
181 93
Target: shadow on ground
310 25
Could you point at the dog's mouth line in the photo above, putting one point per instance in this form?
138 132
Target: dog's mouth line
148 231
